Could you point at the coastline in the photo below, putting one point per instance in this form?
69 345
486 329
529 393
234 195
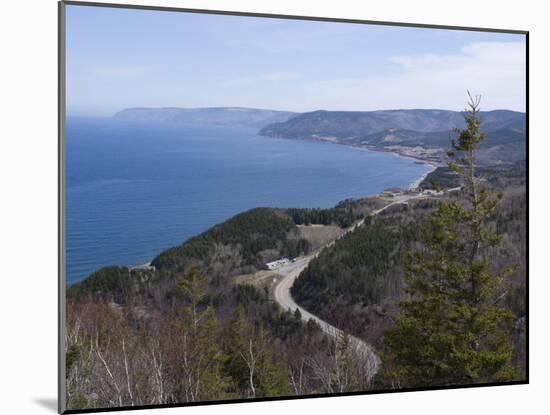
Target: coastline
417 182
414 184
430 164
393 151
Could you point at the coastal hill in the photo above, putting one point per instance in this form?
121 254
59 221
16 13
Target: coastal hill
242 244
420 133
222 116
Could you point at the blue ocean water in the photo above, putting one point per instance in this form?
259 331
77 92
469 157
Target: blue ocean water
134 189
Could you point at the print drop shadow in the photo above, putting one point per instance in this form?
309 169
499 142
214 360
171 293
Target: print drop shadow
48 403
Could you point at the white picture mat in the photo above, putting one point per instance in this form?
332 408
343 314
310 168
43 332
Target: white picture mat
28 220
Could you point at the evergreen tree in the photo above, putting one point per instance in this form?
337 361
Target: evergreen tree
193 286
210 358
251 363
452 328
203 356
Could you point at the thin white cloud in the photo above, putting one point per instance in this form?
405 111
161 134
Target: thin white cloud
496 70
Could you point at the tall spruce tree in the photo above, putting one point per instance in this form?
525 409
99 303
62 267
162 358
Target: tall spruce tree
203 357
452 328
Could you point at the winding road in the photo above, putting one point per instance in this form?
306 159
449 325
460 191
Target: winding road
291 271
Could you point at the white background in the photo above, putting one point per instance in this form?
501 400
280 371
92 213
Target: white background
28 204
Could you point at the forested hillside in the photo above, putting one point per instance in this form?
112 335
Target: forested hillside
499 176
183 331
356 283
247 241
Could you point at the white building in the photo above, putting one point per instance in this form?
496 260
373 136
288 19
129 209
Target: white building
278 263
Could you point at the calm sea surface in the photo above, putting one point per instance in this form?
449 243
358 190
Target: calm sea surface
134 189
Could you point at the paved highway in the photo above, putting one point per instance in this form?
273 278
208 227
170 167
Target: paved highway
291 271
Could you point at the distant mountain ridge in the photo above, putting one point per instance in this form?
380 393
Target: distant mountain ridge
424 134
223 116
364 123
420 133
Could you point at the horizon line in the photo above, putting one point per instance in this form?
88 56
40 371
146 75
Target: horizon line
82 114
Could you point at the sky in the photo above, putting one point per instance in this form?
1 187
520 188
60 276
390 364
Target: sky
122 58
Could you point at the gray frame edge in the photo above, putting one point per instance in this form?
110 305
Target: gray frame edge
290 17
61 312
